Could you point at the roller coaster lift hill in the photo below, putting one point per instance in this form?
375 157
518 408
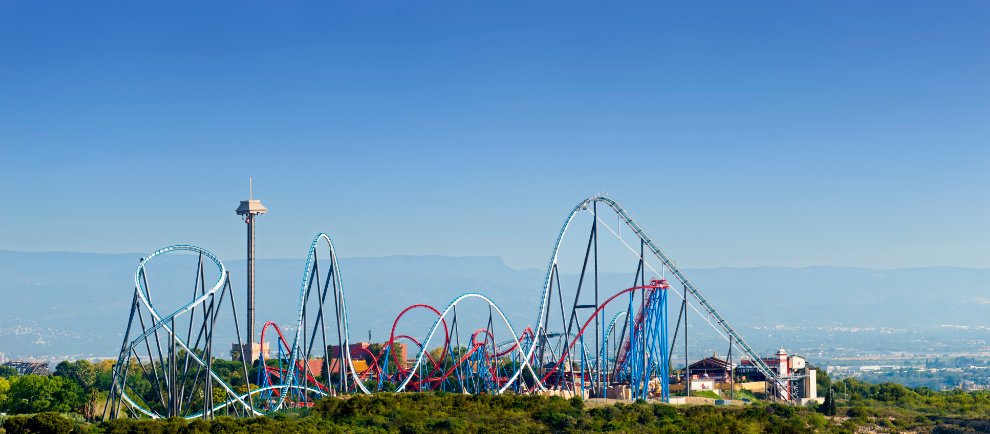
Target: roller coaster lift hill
583 340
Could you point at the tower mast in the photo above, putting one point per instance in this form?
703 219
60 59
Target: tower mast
249 210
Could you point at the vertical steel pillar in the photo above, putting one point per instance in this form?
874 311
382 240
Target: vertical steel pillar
598 323
687 361
642 335
732 373
173 404
642 283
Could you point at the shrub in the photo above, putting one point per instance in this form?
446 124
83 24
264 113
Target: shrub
16 425
39 423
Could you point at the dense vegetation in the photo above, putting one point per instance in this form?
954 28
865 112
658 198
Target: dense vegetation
861 397
421 412
76 387
888 408
65 401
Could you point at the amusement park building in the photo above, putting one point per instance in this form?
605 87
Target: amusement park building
316 367
360 366
784 365
801 378
25 368
712 367
360 350
357 349
713 372
257 349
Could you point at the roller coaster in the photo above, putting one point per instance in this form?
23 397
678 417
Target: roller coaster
580 343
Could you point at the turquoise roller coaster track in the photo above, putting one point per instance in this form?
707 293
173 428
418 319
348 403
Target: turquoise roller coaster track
295 380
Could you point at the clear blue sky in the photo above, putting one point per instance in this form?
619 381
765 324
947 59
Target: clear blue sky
739 133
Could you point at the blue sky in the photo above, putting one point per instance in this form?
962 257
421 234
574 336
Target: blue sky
738 133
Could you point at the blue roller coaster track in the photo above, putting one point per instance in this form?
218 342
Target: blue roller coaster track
166 366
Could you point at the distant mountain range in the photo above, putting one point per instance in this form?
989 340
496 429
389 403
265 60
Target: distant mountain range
76 304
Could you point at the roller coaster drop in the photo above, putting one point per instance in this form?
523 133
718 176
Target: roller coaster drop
166 369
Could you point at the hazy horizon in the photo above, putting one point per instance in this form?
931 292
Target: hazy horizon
504 261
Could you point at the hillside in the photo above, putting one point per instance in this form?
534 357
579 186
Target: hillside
63 304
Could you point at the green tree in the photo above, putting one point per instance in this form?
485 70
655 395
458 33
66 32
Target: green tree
36 394
4 387
376 349
7 372
822 379
104 374
828 408
82 372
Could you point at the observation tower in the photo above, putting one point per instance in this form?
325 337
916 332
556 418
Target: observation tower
249 210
